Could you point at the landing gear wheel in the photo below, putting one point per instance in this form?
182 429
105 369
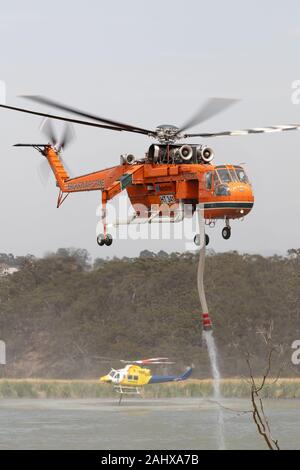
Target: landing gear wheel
226 233
108 240
197 239
100 239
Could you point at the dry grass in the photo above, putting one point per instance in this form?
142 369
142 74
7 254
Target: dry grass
238 388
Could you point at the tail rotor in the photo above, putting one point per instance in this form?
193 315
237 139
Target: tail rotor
58 143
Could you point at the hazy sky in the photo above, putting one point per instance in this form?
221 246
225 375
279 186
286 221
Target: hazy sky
148 63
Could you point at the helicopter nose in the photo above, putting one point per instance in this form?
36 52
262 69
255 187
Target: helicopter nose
105 379
242 190
242 195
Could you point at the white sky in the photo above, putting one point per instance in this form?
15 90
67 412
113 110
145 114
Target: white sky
148 63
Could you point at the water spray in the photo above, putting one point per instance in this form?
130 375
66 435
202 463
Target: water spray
208 331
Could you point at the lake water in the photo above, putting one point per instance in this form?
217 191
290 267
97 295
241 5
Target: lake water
175 423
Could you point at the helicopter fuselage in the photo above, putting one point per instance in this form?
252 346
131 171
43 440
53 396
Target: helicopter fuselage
169 175
223 193
159 189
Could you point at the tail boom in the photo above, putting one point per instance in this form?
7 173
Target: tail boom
171 378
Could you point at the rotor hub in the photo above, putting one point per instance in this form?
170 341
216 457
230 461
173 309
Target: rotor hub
167 133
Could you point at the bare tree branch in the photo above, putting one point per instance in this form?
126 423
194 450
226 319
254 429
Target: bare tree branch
258 412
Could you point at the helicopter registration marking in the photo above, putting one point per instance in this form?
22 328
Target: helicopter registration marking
167 198
85 185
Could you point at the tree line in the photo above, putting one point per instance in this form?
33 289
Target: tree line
66 316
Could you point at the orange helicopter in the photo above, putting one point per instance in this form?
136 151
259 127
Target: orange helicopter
169 177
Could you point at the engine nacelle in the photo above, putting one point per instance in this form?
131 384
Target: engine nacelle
206 154
185 152
128 158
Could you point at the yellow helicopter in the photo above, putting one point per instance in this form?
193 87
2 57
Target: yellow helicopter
133 376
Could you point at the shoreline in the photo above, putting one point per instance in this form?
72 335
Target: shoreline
202 388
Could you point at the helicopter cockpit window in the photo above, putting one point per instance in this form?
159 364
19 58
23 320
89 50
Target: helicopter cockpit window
234 176
208 179
112 373
242 177
224 175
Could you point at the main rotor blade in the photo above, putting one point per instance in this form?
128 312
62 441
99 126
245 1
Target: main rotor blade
61 118
157 360
55 104
212 107
253 130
